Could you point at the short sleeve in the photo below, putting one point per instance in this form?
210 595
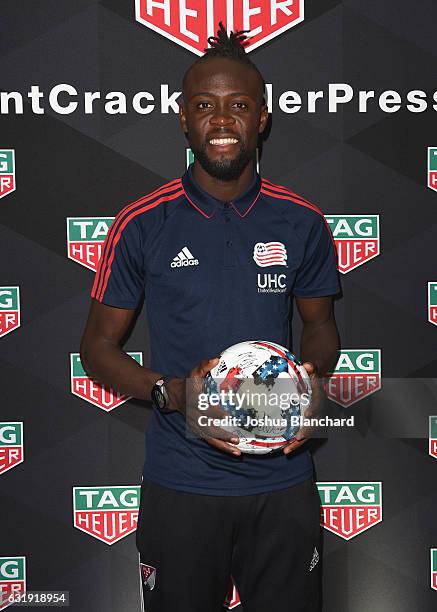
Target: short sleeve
317 275
120 275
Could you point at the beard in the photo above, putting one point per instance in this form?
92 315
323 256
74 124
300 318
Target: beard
224 169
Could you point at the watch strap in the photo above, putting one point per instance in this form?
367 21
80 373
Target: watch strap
160 398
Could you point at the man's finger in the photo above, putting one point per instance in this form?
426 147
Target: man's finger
293 445
309 367
224 446
212 431
204 367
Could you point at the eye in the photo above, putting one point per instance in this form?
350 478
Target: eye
241 105
203 105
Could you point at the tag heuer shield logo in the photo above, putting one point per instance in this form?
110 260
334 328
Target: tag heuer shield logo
434 568
92 391
433 436
232 598
432 302
356 239
9 309
85 238
12 578
432 168
356 375
148 576
7 172
349 508
106 513
11 445
189 24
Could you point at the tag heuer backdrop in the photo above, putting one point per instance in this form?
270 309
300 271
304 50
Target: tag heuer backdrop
88 123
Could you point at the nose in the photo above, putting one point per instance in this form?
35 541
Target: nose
221 116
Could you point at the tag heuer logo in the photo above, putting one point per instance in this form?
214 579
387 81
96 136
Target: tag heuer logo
356 375
12 578
191 27
432 168
9 309
433 436
349 508
432 302
106 513
356 239
92 391
189 157
7 172
85 238
11 445
232 598
148 576
434 568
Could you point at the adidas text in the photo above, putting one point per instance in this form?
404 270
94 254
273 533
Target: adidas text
184 262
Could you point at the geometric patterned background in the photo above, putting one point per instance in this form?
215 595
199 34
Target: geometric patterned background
92 165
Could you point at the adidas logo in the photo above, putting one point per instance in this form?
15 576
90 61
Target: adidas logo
184 258
314 560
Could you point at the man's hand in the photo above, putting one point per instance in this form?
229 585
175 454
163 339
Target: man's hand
184 397
311 411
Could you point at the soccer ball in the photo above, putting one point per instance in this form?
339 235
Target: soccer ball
263 390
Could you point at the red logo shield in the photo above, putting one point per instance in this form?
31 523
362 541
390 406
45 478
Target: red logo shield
349 508
91 390
232 598
189 23
433 436
148 576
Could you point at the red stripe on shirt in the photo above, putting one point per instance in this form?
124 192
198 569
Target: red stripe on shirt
114 229
126 215
282 189
283 196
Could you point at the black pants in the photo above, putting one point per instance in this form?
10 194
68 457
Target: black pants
269 543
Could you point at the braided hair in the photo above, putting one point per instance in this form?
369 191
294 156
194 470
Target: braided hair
227 46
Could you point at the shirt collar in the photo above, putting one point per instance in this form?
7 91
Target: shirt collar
207 205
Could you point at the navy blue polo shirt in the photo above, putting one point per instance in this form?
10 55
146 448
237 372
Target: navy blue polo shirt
213 274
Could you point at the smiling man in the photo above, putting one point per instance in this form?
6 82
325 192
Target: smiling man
208 512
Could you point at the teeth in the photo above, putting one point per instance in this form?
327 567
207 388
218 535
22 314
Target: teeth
223 141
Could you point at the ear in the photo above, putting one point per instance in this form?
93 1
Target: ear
264 117
183 118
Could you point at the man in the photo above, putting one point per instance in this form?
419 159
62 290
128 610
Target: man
206 510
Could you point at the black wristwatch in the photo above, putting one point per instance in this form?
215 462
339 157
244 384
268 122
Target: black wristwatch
159 395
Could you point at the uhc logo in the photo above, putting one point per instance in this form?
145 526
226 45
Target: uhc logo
106 513
349 508
189 23
12 578
85 238
356 238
